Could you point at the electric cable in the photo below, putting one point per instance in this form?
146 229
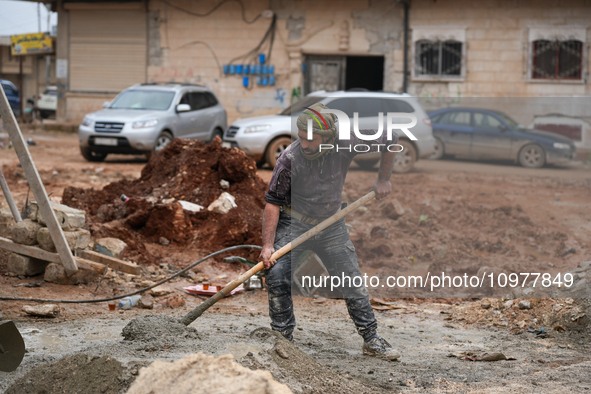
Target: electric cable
242 8
8 298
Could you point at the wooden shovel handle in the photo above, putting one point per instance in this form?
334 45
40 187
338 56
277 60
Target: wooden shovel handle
205 305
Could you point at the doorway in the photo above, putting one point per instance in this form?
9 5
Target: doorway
333 73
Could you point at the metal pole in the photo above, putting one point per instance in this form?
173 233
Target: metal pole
405 48
9 199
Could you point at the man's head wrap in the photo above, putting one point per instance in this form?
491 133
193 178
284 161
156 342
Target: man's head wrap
323 125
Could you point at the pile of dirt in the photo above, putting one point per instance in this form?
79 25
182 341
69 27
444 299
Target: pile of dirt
299 371
186 170
79 373
201 373
154 327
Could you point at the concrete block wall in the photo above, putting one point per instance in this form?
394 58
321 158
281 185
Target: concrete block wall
497 46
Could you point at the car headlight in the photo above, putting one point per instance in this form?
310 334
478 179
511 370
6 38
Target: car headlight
257 128
561 145
140 124
86 122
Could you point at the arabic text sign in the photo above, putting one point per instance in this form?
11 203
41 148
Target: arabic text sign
27 44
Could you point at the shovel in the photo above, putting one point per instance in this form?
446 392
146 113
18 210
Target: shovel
12 347
205 305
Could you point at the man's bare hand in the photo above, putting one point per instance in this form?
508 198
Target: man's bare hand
266 255
382 188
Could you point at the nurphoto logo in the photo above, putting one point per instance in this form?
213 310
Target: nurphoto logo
344 127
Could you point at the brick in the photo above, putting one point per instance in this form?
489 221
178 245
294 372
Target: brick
25 265
25 232
55 273
68 218
79 239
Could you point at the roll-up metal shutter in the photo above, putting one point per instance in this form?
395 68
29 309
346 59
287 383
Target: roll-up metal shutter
107 49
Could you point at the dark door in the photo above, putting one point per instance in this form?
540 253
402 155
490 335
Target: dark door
492 138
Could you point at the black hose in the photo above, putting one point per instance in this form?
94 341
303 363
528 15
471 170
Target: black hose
7 298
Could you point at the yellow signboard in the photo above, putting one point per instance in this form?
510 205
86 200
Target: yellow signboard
28 44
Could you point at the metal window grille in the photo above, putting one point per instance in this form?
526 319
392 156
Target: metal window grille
557 59
439 58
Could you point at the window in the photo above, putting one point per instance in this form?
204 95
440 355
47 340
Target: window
456 118
438 58
345 105
143 99
398 106
486 121
557 59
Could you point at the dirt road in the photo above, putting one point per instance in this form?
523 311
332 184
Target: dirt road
458 216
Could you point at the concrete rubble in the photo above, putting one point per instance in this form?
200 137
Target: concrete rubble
201 373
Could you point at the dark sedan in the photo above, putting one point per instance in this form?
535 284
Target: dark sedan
492 135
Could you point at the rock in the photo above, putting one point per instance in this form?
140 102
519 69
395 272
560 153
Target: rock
485 304
78 239
524 304
163 241
198 372
586 265
25 265
160 291
379 232
440 251
45 310
55 273
109 246
68 218
25 232
146 302
392 209
567 251
508 304
175 301
223 204
224 184
6 218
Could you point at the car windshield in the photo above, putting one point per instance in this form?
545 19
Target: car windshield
509 121
143 99
299 106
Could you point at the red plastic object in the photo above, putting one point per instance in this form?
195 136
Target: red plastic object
198 289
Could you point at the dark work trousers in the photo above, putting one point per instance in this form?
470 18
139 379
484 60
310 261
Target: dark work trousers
337 253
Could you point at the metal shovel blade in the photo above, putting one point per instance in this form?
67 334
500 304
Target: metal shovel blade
12 347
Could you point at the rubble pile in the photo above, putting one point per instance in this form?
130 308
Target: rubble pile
189 194
32 232
201 373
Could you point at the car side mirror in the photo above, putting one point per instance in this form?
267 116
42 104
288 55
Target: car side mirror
106 104
503 127
183 108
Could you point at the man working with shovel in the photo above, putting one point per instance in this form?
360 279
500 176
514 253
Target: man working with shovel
306 188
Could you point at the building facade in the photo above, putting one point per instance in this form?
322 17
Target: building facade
455 49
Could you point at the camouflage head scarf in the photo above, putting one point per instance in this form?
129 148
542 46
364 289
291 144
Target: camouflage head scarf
323 125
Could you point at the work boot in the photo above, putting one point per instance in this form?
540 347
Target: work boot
379 347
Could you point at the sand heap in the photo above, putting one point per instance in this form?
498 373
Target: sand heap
200 373
186 170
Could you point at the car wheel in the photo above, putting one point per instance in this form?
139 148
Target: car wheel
163 139
439 150
217 133
366 164
275 149
405 160
89 155
532 156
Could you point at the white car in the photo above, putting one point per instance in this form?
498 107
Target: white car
266 137
47 102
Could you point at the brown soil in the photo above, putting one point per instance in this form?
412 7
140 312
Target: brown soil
185 170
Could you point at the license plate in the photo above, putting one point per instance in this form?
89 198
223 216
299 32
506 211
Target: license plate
226 145
106 141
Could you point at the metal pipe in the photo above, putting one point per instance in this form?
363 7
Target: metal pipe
9 199
405 48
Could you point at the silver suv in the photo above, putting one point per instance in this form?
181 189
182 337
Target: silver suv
265 137
144 118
